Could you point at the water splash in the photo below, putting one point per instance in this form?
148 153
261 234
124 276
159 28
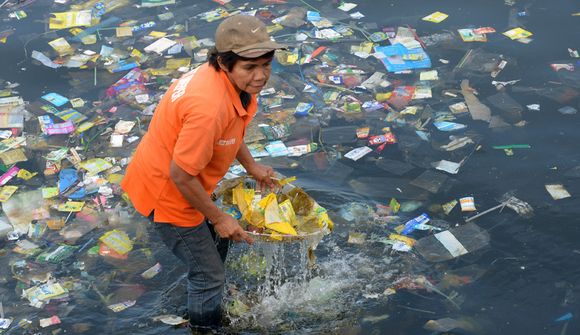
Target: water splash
288 294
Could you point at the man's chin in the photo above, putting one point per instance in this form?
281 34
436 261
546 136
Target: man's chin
254 89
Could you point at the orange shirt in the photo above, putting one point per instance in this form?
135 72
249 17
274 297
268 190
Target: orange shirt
200 124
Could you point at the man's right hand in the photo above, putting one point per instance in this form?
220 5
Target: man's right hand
228 227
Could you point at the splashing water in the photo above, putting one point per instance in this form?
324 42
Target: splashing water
274 287
289 293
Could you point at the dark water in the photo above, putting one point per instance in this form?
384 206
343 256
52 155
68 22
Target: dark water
529 272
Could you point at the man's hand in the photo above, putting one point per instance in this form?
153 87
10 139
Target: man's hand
263 175
228 227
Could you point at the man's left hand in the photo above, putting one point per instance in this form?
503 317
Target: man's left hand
263 175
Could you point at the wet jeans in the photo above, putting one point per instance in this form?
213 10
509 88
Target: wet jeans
204 253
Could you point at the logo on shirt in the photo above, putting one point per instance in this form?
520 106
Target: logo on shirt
181 85
227 142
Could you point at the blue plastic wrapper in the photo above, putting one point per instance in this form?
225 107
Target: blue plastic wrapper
303 109
412 224
55 99
67 179
565 317
143 26
124 66
449 126
234 212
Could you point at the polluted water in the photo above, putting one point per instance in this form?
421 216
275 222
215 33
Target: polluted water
427 151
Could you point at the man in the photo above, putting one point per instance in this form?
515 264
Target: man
196 133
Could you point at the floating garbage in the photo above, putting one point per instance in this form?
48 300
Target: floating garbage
557 191
452 243
448 324
386 124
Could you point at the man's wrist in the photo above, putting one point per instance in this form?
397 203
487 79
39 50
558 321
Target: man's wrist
216 219
249 166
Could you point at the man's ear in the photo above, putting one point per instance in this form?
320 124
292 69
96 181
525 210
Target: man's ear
222 66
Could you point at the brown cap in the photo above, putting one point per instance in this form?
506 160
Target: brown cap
245 35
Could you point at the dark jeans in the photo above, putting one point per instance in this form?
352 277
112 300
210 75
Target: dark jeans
204 253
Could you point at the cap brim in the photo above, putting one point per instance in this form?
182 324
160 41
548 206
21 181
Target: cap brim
258 49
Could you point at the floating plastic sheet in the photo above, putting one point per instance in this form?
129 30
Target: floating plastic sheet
22 208
511 110
387 188
478 62
338 135
337 172
478 110
447 324
452 243
431 181
393 166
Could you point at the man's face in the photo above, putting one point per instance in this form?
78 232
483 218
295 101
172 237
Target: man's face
250 75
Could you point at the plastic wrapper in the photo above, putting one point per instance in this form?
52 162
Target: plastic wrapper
57 253
43 293
519 206
118 241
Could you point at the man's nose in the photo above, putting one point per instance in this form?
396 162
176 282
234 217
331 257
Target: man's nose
260 74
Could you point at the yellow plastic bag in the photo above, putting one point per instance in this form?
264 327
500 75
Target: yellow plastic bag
282 227
325 222
272 217
287 212
243 199
276 236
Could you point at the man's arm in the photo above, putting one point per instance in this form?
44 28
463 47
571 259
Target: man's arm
244 156
225 225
